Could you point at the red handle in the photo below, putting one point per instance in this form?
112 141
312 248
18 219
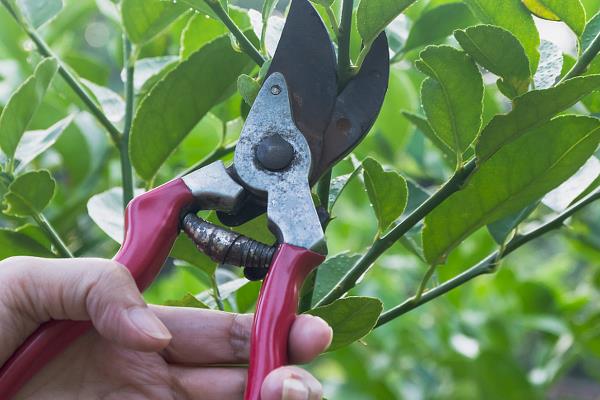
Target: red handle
275 312
151 227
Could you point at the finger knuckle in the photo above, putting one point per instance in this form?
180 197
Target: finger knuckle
239 336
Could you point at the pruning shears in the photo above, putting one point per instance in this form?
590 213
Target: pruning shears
300 124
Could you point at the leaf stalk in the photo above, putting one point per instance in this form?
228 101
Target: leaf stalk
235 30
586 58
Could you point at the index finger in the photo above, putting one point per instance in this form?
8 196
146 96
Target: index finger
207 337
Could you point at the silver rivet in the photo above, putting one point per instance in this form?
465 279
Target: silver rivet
275 89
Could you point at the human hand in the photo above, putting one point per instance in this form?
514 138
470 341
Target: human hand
138 351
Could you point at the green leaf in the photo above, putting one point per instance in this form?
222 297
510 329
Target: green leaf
22 106
189 300
29 194
257 229
452 96
202 29
437 23
185 249
36 233
143 20
531 110
374 15
423 126
514 177
330 273
514 17
19 244
34 143
246 296
591 187
267 9
202 7
563 196
151 69
110 102
351 318
551 63
248 88
176 103
498 51
591 31
106 210
387 192
401 95
337 186
324 3
570 12
38 12
226 290
501 229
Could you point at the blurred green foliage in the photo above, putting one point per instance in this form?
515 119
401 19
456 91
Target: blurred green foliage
529 328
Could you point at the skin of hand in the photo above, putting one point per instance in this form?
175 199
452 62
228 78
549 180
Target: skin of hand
138 351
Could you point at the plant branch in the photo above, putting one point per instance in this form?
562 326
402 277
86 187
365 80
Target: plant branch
344 31
54 237
487 265
126 172
585 59
71 80
242 39
385 242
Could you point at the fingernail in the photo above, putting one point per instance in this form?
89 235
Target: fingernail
149 323
294 389
329 328
330 337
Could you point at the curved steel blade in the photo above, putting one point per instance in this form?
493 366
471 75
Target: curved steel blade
357 107
306 58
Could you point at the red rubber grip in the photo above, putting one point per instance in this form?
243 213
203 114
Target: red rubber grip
275 312
151 227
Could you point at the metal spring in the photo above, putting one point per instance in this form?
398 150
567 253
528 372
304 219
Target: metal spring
226 246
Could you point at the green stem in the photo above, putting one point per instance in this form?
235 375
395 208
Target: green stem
425 281
71 80
487 265
216 293
45 225
263 37
362 55
219 153
242 39
344 62
385 242
585 59
126 172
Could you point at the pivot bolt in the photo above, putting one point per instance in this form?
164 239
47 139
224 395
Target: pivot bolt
274 153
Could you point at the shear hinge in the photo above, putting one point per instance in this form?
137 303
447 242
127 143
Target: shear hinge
228 247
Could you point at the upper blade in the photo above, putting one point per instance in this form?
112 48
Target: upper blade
356 108
306 58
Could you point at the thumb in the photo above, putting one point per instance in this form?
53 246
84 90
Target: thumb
99 290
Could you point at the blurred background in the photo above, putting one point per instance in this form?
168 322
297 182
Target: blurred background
529 331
